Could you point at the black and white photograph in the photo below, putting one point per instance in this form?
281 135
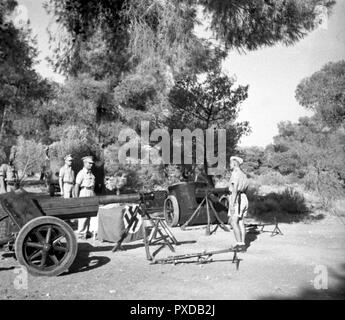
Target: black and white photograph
172 154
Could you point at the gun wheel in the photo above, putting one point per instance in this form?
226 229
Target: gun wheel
46 246
171 211
224 200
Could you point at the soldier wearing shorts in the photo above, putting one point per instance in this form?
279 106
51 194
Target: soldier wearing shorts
84 187
238 202
8 177
67 178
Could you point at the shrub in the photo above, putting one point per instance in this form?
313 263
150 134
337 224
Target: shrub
30 157
291 201
326 184
272 178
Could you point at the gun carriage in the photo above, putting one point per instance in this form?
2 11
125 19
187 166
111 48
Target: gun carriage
186 200
34 227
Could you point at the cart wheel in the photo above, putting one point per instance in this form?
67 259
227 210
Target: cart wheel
224 200
171 211
46 246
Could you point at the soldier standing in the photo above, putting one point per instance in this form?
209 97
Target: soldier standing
67 178
84 187
238 202
8 177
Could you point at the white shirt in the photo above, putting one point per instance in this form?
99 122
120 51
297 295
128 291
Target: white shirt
67 174
85 178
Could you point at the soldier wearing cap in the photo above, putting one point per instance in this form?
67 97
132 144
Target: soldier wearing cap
67 178
238 202
84 187
8 177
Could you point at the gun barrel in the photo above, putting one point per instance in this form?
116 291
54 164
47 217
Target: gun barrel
201 192
124 198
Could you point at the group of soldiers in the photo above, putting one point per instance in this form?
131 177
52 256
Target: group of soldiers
82 185
71 185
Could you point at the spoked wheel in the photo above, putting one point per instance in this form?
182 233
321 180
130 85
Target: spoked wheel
46 246
224 200
171 211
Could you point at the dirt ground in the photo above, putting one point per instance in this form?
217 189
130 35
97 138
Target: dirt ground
287 266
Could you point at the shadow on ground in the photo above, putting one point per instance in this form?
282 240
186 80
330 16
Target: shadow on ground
286 207
334 293
83 262
251 235
7 268
154 248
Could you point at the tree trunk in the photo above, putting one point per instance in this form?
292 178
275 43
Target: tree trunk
3 122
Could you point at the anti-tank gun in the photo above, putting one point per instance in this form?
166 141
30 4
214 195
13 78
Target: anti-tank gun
34 226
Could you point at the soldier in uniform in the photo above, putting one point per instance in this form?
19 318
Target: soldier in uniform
84 187
8 177
67 178
238 202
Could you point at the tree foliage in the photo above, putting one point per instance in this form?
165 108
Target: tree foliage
210 103
146 45
254 159
21 88
30 157
324 93
88 32
250 25
154 28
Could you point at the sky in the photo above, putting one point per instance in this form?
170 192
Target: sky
272 73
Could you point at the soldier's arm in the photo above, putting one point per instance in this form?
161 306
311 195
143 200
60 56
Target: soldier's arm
2 178
61 181
2 183
76 190
78 182
74 195
233 188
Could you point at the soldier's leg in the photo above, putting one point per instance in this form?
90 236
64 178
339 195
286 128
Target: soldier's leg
83 226
243 214
67 193
242 230
84 223
67 190
235 227
2 184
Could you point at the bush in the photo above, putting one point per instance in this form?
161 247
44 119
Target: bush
338 209
29 157
289 201
293 179
272 178
327 186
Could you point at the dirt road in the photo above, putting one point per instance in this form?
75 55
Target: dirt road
294 265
